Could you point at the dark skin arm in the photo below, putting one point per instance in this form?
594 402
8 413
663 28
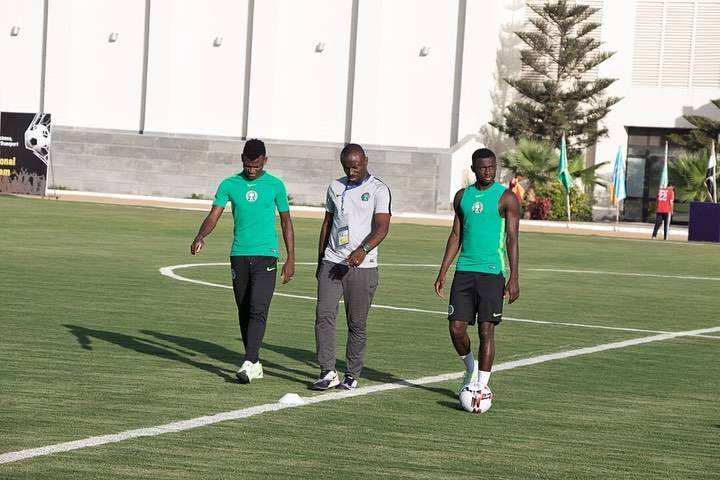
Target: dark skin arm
380 228
510 210
288 269
324 238
206 228
452 247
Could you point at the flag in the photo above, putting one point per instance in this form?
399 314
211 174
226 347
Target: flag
563 172
664 176
617 189
711 174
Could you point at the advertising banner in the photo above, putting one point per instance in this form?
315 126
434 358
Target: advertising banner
24 152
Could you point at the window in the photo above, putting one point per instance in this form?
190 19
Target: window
645 158
676 43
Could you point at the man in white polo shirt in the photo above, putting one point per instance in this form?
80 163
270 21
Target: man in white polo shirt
357 219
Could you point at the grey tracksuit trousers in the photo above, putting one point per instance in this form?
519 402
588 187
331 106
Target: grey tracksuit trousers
357 286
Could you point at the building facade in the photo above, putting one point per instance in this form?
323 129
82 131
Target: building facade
155 96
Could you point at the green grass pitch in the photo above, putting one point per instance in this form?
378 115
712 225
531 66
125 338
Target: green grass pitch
94 341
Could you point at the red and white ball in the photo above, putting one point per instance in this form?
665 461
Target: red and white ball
476 398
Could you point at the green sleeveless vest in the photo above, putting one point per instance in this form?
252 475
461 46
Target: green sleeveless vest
483 231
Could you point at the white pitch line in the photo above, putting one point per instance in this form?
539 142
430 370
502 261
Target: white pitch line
170 272
625 274
272 407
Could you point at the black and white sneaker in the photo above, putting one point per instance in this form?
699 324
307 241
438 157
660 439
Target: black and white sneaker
349 383
328 379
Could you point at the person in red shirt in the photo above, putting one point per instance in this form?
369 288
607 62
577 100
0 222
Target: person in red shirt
664 210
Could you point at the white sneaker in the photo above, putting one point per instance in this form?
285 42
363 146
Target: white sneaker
470 377
328 379
249 371
349 383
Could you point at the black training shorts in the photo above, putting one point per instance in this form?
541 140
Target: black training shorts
476 296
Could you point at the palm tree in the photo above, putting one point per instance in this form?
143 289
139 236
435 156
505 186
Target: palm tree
687 174
538 162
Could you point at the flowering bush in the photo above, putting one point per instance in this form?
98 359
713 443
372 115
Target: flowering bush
539 208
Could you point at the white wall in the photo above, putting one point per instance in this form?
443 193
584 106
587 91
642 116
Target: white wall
91 82
194 87
660 107
402 98
21 56
489 43
297 93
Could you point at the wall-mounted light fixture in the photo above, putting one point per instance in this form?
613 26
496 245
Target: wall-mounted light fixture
319 47
112 38
217 41
15 31
424 51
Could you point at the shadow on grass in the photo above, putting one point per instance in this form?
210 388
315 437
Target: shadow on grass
147 346
222 354
307 357
181 349
451 405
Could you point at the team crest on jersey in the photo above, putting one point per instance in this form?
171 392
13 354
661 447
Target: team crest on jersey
477 207
365 197
251 196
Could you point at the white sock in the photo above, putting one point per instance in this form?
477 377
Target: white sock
484 377
469 362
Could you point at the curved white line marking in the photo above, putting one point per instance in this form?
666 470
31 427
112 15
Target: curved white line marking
170 272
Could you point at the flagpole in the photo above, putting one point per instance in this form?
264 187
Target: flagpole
672 206
564 175
567 202
617 189
567 190
714 181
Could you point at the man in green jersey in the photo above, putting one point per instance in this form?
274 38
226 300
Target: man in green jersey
485 231
254 195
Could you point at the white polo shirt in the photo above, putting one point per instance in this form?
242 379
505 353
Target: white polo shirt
353 207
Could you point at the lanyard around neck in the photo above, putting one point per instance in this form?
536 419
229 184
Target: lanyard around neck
348 187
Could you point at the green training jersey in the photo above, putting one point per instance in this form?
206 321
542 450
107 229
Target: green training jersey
253 207
483 231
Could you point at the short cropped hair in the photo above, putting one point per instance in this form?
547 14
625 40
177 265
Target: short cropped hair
253 149
482 153
352 148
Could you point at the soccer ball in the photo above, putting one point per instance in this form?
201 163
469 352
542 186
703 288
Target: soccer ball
37 139
476 398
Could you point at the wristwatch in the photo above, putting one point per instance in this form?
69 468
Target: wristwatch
366 247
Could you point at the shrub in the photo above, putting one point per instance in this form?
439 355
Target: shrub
539 208
580 204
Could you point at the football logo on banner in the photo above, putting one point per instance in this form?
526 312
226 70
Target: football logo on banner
37 137
25 140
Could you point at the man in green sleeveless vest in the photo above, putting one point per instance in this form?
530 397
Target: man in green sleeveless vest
485 232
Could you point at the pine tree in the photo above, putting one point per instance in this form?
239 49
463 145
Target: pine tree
559 97
701 137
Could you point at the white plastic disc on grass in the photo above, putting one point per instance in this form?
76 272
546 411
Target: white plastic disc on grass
292 399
